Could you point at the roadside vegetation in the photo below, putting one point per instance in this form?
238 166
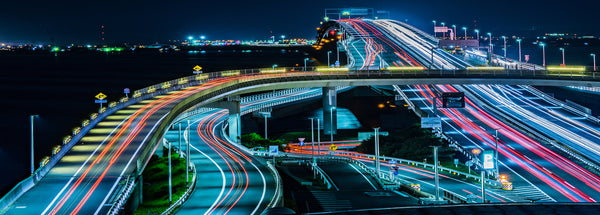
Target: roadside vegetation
156 183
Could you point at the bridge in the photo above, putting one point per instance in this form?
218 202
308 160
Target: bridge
105 157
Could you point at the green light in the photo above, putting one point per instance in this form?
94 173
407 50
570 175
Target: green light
55 49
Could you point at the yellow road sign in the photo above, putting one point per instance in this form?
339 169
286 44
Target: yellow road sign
333 147
101 96
197 68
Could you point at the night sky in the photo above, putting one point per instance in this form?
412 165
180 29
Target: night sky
143 21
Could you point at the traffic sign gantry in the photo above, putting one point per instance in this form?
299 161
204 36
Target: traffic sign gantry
333 147
101 96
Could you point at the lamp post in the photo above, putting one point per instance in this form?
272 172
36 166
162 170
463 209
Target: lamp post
305 59
491 48
563 55
319 135
331 127
187 157
465 29
328 62
519 41
443 33
32 117
434 33
477 32
437 178
377 164
274 65
504 38
454 33
543 54
170 182
496 156
282 38
594 59
312 137
490 35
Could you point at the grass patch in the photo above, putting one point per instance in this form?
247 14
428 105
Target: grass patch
156 183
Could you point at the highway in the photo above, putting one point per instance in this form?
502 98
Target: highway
230 180
398 44
84 180
528 163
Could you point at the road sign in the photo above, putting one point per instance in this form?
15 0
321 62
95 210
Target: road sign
101 96
99 101
274 150
197 69
333 147
126 90
469 163
393 162
488 159
301 143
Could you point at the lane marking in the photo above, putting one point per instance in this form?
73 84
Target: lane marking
129 162
363 175
84 163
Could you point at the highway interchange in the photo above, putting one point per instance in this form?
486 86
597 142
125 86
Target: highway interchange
231 180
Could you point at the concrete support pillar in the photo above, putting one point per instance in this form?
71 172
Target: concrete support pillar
232 104
235 125
329 110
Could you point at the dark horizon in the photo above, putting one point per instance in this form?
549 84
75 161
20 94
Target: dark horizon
152 21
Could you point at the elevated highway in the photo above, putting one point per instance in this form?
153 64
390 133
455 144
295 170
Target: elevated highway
118 145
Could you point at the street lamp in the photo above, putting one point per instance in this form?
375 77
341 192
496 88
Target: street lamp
496 156
543 45
202 37
563 55
504 38
465 29
434 33
328 62
331 124
443 33
491 48
490 34
477 31
305 59
312 137
594 57
454 33
519 41
274 65
377 164
32 117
